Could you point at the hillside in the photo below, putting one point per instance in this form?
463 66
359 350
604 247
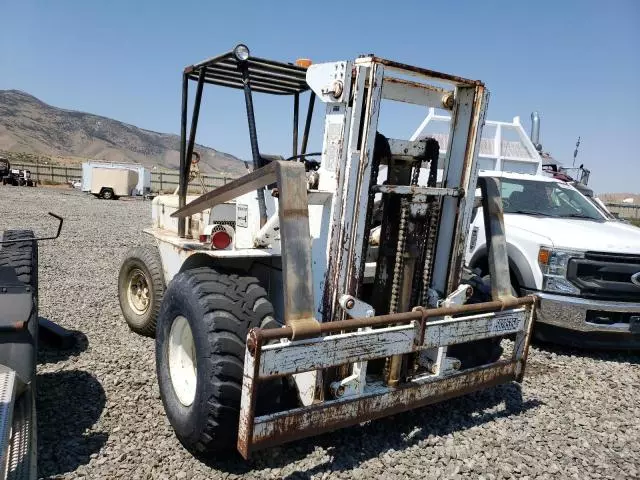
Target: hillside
31 126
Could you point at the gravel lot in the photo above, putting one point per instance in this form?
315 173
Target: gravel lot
577 415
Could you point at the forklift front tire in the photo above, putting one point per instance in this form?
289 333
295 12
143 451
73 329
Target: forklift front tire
200 348
141 289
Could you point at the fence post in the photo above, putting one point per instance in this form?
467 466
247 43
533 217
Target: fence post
51 170
161 189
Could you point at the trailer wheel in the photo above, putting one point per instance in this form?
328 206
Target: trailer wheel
140 289
200 348
107 194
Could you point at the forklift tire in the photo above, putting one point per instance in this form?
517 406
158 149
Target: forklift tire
141 289
200 348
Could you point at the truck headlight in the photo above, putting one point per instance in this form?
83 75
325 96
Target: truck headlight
553 264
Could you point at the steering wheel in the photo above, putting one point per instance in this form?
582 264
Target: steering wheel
505 203
308 164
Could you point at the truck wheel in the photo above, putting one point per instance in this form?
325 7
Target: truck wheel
479 352
140 289
200 348
107 194
22 345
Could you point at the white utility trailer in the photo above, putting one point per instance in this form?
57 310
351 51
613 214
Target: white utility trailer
141 186
278 312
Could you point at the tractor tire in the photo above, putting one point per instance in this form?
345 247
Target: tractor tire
22 256
200 348
19 348
141 288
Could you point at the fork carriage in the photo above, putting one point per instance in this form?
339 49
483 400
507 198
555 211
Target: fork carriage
360 265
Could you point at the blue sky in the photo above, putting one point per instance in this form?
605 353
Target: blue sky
576 62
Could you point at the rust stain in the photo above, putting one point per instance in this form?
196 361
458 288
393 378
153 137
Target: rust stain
426 72
402 318
325 418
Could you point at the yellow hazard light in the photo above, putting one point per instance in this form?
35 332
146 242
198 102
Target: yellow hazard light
303 62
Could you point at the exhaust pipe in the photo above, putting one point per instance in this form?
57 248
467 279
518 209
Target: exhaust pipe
535 131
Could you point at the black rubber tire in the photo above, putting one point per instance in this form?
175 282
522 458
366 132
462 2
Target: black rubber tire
107 194
487 281
480 352
220 309
22 256
147 260
19 349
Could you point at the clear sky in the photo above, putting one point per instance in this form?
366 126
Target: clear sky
576 62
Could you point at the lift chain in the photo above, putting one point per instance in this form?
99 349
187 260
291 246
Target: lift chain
434 216
429 247
398 267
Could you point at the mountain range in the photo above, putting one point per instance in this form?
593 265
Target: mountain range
28 125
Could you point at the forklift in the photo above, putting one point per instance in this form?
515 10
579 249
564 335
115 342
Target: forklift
321 291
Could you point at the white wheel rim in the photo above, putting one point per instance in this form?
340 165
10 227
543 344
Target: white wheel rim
138 292
182 361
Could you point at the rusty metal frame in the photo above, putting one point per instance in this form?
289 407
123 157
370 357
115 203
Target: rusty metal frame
460 172
295 236
495 237
375 403
263 360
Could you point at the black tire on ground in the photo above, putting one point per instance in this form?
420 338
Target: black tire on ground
144 264
107 194
480 352
220 310
22 256
19 348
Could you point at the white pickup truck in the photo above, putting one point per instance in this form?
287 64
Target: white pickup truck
583 264
584 267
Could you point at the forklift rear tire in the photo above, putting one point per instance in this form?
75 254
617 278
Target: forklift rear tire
140 289
200 348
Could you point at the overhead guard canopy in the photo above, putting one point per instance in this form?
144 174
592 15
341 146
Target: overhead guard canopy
266 76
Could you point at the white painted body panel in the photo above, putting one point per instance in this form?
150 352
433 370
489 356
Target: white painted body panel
526 234
121 181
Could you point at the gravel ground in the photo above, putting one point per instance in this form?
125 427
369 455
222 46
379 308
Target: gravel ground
577 415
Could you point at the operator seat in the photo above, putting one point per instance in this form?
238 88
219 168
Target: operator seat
265 159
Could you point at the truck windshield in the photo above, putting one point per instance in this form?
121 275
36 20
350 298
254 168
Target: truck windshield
548 199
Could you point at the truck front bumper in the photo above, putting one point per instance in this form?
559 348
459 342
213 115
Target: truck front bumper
587 322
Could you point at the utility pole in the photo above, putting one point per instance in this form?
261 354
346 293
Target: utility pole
575 152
